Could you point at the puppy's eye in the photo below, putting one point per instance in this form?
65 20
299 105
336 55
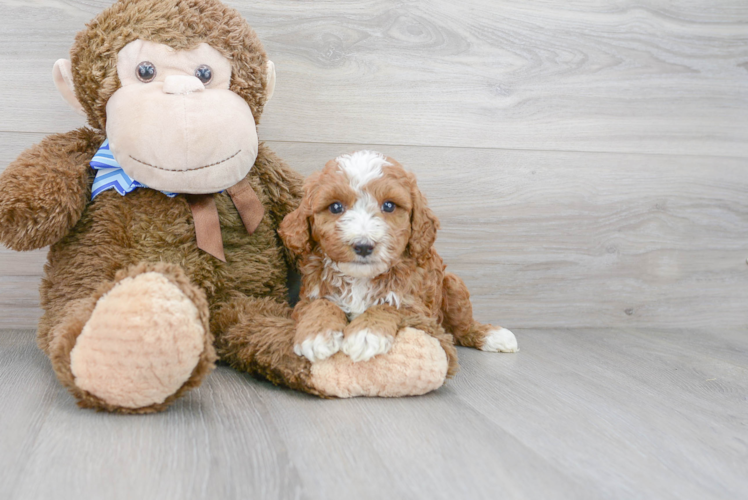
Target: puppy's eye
204 74
388 206
337 208
146 72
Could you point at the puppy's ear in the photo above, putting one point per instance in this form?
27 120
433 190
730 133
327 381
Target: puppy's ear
294 230
423 223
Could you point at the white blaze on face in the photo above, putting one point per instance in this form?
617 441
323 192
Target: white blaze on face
362 223
362 167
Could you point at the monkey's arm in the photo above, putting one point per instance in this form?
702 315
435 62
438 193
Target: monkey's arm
45 190
283 186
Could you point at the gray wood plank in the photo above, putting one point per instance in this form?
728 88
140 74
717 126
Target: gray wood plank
657 76
215 443
591 413
19 298
549 239
422 447
674 413
223 441
28 389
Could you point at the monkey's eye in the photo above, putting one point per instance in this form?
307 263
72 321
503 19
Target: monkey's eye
388 206
204 74
337 208
146 72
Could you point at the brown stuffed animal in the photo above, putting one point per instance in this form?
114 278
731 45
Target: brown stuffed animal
145 287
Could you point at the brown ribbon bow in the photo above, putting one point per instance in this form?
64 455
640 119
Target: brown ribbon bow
205 215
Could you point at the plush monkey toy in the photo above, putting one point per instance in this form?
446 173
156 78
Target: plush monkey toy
162 220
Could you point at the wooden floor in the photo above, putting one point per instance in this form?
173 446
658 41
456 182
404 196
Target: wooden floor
575 414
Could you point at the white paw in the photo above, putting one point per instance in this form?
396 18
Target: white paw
319 347
501 340
365 344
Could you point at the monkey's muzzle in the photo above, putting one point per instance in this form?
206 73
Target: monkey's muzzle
177 136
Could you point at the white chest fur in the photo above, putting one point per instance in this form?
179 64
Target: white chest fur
352 294
356 295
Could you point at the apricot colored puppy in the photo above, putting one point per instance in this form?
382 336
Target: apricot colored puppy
364 238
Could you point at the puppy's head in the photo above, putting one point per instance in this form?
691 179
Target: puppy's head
365 212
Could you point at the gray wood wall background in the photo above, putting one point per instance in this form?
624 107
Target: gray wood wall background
588 159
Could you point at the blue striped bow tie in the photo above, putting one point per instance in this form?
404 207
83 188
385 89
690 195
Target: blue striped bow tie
109 175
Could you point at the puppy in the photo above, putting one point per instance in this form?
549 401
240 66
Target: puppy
364 237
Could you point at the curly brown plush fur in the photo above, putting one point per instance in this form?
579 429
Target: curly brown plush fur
46 190
118 246
46 200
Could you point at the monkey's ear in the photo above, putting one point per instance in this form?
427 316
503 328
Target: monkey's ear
63 76
270 77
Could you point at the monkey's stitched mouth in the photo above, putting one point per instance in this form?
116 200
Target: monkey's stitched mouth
188 169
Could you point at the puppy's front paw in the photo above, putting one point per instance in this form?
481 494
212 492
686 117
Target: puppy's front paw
320 346
365 344
500 340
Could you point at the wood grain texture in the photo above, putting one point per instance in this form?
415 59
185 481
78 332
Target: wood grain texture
597 413
652 400
548 239
654 76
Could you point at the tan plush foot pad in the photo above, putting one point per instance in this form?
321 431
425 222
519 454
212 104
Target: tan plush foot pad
141 343
415 365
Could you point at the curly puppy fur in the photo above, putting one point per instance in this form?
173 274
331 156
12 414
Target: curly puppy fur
364 237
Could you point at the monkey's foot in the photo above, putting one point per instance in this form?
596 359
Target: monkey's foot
416 364
140 346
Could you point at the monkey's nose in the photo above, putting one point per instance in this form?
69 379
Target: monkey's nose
363 249
182 84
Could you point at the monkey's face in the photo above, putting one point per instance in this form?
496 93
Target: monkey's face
174 125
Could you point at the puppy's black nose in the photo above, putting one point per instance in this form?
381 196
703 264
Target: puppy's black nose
363 249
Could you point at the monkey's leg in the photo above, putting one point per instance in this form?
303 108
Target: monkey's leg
458 320
257 336
136 344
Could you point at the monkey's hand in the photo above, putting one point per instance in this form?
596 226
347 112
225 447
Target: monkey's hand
45 190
